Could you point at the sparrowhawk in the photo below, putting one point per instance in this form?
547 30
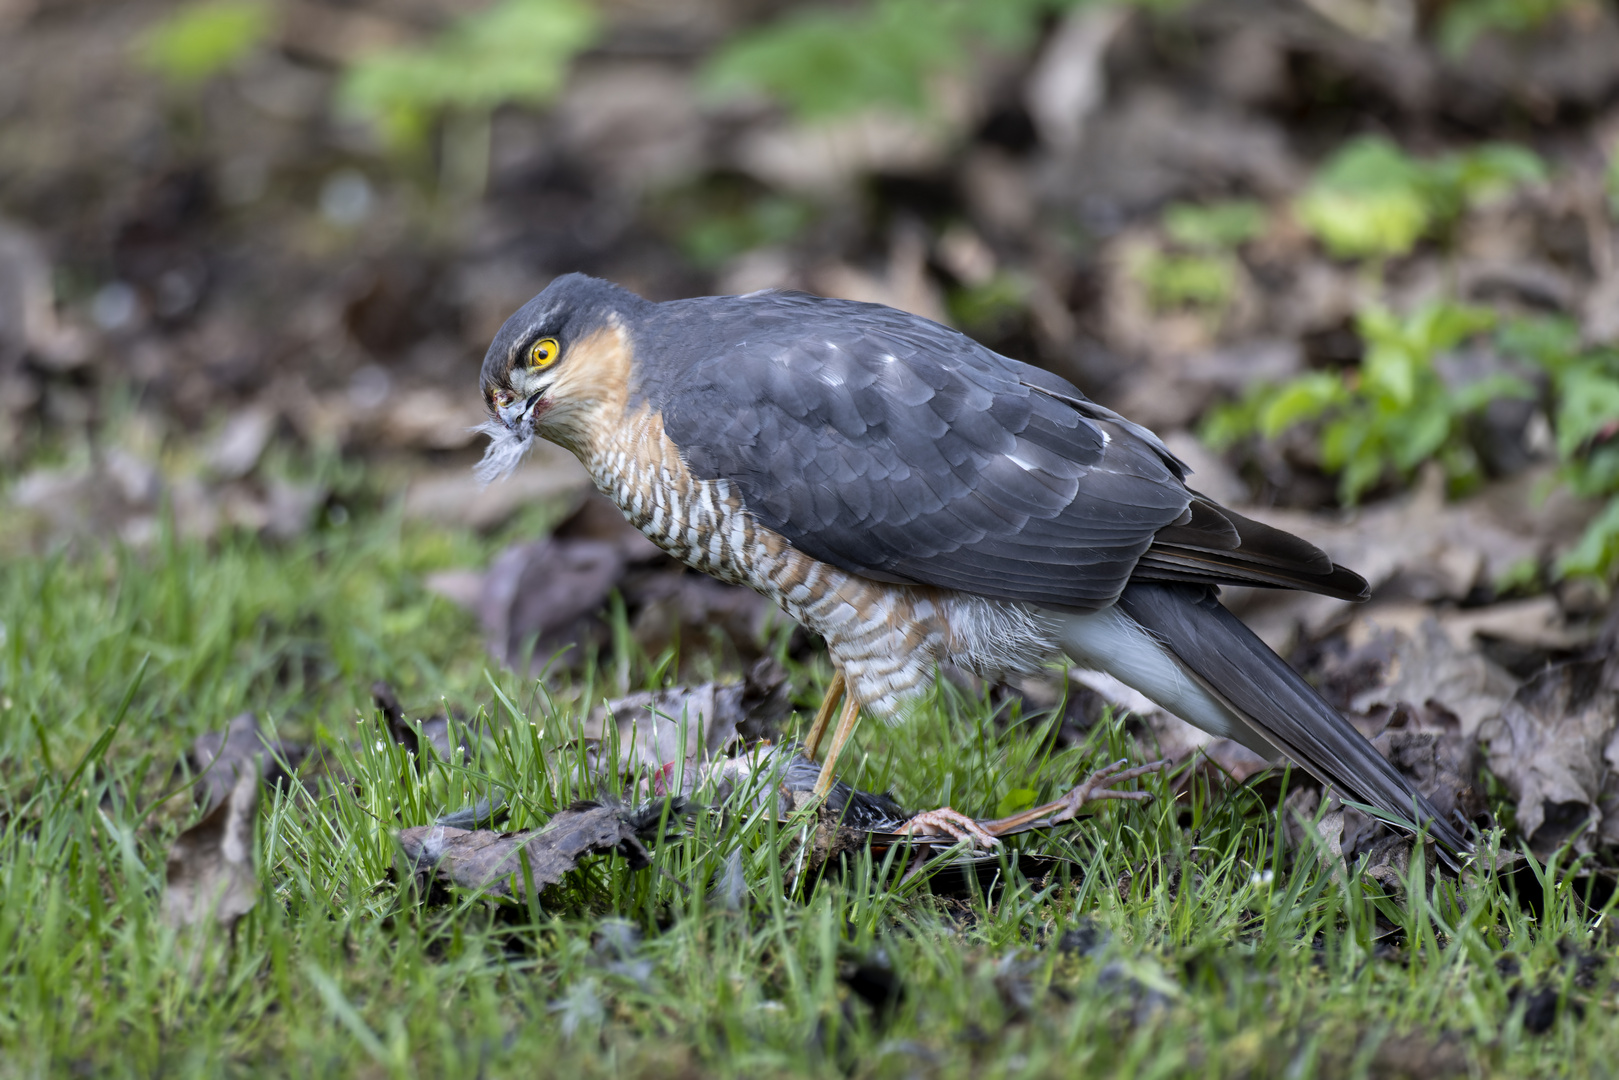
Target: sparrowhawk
916 498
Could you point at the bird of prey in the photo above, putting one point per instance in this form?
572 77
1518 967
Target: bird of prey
916 498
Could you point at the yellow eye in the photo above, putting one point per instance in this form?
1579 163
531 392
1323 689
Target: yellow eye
543 354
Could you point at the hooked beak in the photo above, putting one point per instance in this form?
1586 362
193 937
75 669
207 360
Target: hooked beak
519 416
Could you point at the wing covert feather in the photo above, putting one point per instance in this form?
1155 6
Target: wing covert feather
901 450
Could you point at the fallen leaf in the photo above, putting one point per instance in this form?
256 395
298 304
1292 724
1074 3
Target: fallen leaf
1069 81
1427 744
828 156
1425 664
493 862
631 124
221 758
210 865
29 324
1418 547
679 606
1549 749
1154 144
544 599
905 285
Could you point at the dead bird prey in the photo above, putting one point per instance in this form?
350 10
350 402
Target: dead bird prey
782 771
916 498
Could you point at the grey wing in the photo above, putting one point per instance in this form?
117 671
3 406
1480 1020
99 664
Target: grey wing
898 449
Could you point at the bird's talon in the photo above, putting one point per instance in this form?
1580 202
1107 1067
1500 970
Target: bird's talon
952 823
1100 785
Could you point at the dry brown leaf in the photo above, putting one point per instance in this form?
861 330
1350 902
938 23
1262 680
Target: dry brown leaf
548 595
543 597
210 867
1421 548
1549 749
221 758
905 285
1426 743
493 862
1425 664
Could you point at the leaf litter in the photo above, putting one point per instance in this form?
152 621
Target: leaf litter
703 740
210 874
1440 713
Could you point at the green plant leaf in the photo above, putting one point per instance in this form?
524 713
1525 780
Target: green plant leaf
823 63
1360 224
1597 553
990 306
827 62
1463 21
201 40
1419 435
1173 282
1549 340
1373 200
1219 225
517 51
1367 200
1477 395
1613 181
1588 405
1015 800
1363 470
1390 371
1437 327
1230 422
1303 399
1491 170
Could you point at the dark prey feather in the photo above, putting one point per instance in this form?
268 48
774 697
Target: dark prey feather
1276 701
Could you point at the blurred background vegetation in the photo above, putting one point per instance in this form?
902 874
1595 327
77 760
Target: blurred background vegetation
1357 261
252 250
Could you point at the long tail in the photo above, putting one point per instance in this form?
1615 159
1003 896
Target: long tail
1178 645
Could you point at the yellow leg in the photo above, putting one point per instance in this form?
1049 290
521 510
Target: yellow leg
829 705
851 713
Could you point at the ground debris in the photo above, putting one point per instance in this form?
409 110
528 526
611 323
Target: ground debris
1420 1055
435 730
955 854
670 735
493 862
210 875
1421 549
221 758
1554 749
541 602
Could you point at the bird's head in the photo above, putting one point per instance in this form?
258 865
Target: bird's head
554 367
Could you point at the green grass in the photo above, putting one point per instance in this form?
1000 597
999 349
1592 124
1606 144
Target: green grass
1213 954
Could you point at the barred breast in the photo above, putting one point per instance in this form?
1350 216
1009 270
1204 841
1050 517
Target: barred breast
888 639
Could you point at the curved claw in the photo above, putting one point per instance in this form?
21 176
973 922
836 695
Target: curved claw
952 823
1099 785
